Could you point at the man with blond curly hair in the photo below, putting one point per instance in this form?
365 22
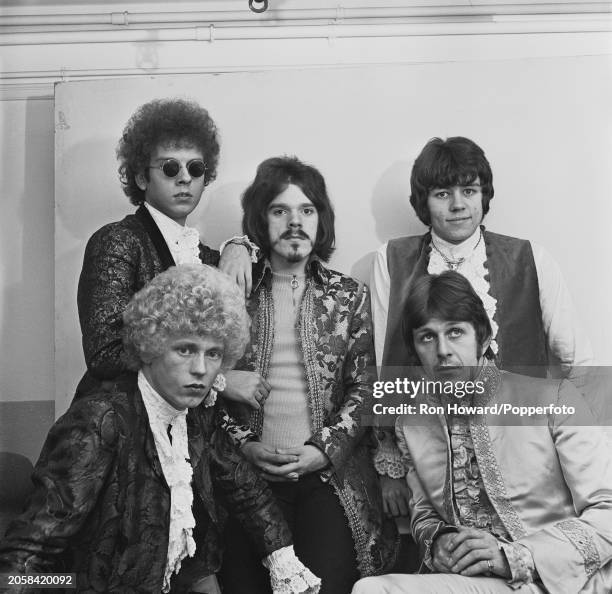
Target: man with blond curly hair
128 486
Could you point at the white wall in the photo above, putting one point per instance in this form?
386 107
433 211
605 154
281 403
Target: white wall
538 104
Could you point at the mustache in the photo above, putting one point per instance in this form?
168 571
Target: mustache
298 233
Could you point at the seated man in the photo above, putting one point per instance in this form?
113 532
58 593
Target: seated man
126 485
496 505
168 154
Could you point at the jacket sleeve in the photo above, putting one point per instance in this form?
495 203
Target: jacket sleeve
108 280
569 552
338 439
425 521
239 433
68 477
248 496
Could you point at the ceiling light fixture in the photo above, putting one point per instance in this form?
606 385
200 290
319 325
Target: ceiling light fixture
258 5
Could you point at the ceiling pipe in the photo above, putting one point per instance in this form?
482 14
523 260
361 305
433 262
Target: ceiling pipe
212 33
125 18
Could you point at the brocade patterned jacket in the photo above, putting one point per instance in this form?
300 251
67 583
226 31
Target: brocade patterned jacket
335 338
120 259
547 475
101 504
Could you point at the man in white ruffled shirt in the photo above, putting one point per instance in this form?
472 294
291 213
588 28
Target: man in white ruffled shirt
521 286
168 154
135 481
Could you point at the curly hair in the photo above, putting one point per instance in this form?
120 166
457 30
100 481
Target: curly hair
165 122
456 161
272 178
190 299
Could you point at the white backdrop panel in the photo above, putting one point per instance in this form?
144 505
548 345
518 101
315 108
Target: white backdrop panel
545 125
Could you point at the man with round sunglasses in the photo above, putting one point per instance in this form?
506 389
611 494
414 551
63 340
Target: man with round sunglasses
168 154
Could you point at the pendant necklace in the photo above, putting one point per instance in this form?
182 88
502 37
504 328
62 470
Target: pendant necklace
450 263
294 283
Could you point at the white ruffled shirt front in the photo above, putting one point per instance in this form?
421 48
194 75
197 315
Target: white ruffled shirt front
174 458
472 254
183 241
565 336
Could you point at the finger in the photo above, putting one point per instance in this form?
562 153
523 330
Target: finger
293 451
403 505
467 546
266 385
239 278
248 282
440 565
291 478
476 569
470 558
283 470
254 404
462 536
277 459
393 507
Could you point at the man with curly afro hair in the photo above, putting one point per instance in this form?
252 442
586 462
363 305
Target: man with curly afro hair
168 153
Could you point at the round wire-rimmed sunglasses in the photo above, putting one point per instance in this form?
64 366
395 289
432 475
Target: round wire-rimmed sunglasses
171 167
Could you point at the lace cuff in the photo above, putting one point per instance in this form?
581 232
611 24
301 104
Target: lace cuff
520 560
387 464
387 458
243 240
288 575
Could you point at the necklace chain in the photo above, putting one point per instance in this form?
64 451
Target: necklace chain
294 284
454 264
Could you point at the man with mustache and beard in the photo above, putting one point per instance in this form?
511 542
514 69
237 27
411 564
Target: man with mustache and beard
311 342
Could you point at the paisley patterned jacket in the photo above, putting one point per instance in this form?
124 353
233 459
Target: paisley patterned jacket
120 259
101 504
548 476
335 335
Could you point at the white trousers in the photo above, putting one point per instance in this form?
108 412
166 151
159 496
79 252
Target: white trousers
438 583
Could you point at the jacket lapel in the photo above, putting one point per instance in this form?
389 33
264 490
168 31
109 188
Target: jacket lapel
200 459
152 230
142 424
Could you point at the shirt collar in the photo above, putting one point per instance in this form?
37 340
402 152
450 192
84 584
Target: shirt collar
158 409
457 250
172 231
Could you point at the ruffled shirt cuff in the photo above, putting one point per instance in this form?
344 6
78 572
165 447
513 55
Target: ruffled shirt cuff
288 575
243 240
520 560
388 459
386 463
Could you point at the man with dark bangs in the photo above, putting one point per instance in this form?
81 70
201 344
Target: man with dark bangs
514 503
521 286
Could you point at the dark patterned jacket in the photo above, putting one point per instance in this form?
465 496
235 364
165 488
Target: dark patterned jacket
101 505
335 335
120 259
